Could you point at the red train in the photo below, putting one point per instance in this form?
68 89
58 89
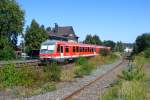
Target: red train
61 50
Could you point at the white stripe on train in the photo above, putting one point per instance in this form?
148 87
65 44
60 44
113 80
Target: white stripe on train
75 56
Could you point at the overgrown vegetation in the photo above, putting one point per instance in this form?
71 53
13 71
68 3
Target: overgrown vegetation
30 80
147 53
53 71
6 52
85 66
133 84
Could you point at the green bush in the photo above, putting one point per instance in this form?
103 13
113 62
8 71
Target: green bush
133 73
10 76
81 61
6 51
53 71
25 76
147 53
103 52
84 69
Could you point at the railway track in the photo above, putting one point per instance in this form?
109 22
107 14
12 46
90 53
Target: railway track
20 63
34 63
83 88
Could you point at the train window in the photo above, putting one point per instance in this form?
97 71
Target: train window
67 49
80 49
85 49
88 49
77 49
92 50
58 48
74 49
61 49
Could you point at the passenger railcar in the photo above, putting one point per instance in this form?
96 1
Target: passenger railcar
62 50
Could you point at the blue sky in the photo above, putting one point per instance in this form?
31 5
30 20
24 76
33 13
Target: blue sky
117 20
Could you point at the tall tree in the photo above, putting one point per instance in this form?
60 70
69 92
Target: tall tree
142 42
11 20
96 40
48 29
88 39
119 46
92 39
109 43
35 35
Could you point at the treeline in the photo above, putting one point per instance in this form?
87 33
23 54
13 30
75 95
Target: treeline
115 46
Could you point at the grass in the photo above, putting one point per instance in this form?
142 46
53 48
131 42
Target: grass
85 66
134 83
67 75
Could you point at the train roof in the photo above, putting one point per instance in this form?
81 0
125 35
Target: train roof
49 42
65 43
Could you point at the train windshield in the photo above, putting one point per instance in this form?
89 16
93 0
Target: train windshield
47 49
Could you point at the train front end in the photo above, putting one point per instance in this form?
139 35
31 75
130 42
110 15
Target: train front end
47 50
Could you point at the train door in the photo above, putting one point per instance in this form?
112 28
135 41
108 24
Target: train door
61 52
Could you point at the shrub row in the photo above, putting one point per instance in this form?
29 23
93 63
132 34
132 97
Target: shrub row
26 76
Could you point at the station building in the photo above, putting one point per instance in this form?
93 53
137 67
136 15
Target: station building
63 33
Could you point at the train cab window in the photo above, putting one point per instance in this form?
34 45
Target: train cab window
67 49
74 49
58 48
